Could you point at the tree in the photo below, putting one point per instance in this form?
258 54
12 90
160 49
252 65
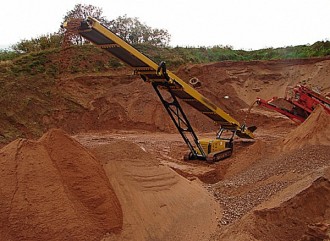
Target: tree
135 32
130 29
81 11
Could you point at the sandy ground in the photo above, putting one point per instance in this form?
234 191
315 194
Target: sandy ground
158 203
262 172
134 185
123 178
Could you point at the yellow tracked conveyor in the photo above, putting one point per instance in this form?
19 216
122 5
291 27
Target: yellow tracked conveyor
99 35
95 32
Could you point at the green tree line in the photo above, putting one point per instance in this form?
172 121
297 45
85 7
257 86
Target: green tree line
181 55
155 43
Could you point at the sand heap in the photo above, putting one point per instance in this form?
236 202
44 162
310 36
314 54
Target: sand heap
315 130
54 189
299 212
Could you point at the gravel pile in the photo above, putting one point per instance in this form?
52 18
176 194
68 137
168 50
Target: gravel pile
240 194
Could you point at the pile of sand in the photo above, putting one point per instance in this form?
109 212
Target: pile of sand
315 130
299 212
54 189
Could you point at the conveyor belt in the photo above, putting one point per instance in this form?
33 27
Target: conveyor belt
99 35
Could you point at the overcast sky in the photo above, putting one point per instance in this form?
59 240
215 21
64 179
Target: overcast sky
243 24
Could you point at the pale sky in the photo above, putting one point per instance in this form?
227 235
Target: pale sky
243 24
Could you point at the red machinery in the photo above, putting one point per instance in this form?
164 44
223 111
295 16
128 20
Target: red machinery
298 103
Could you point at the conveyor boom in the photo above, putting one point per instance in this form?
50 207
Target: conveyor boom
95 32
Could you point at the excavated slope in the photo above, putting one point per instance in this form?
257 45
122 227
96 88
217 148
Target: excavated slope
110 99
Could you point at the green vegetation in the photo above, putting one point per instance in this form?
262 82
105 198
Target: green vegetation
8 54
173 56
178 56
151 41
154 43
